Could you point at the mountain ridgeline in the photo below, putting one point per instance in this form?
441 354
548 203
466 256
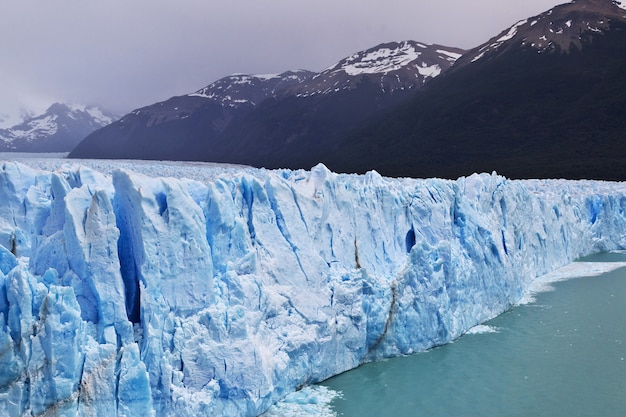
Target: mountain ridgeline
545 98
283 120
59 129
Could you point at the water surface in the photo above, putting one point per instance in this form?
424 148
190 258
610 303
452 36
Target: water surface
562 355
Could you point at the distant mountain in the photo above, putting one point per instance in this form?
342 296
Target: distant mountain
544 98
272 120
182 127
59 129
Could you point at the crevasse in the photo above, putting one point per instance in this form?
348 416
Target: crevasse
123 294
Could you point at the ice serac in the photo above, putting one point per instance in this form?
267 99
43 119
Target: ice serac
126 293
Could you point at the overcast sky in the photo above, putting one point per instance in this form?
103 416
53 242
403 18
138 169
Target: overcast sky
124 54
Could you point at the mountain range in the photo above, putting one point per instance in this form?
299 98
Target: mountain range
240 117
59 129
544 98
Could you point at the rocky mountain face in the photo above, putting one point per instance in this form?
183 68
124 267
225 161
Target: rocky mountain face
393 66
246 118
183 127
542 99
299 128
59 129
545 98
563 28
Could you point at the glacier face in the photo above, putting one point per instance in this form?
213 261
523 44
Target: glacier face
129 294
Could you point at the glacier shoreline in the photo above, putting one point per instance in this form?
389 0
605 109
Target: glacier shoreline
156 289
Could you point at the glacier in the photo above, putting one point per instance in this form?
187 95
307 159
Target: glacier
130 289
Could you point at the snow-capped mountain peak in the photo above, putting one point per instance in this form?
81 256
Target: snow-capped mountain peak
380 60
238 89
562 27
220 118
394 66
390 57
58 129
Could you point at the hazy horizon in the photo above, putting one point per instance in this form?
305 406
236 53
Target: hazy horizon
124 55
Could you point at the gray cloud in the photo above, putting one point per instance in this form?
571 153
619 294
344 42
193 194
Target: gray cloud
126 54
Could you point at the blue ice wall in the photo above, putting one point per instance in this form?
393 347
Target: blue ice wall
138 295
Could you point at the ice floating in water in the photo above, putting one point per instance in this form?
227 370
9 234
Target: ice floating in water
310 401
570 271
481 329
220 291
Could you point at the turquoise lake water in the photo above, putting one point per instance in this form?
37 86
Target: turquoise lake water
562 355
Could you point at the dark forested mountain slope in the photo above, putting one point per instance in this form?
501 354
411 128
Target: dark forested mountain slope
545 98
183 127
285 120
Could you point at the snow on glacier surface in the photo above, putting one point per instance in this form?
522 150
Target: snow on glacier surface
144 289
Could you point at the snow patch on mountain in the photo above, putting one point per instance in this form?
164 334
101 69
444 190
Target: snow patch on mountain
620 4
398 65
267 76
511 33
451 56
429 71
37 127
394 66
97 114
379 61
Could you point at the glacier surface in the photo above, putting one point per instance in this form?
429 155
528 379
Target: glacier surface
163 290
